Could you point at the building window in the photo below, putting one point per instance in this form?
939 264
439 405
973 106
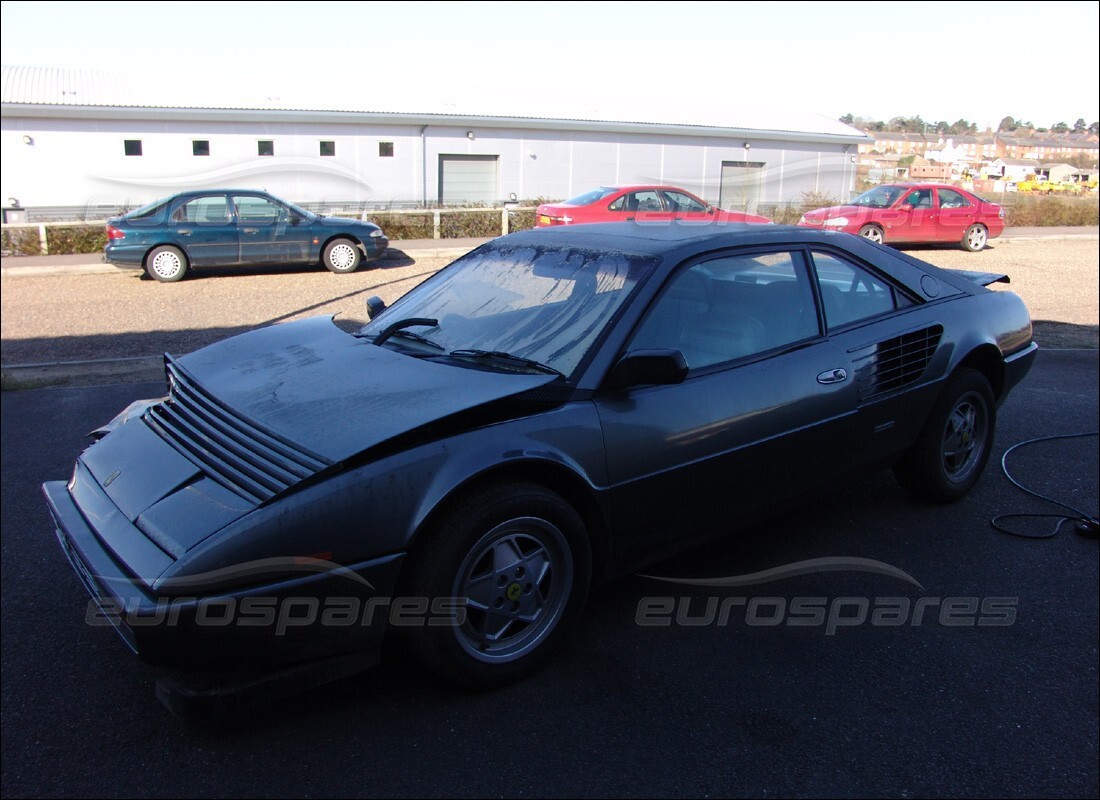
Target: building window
265 147
132 147
328 148
200 147
385 149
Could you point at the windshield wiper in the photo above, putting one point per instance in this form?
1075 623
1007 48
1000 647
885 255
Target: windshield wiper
498 355
401 324
416 337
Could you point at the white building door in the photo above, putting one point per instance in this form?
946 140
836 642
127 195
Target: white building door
466 179
742 185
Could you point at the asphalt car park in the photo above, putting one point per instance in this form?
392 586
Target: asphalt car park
633 707
655 695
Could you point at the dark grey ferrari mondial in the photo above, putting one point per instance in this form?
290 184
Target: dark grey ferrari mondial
555 407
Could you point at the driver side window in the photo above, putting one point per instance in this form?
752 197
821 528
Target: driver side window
257 210
731 308
920 198
678 201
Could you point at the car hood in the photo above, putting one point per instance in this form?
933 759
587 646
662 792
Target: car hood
251 417
832 212
335 394
342 222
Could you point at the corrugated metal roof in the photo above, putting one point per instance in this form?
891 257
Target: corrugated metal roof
46 86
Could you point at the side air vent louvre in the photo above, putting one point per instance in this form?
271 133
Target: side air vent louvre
895 362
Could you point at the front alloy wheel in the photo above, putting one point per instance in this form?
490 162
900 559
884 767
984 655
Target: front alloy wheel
513 561
872 232
516 582
342 255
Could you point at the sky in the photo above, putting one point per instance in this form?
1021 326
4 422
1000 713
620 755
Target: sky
941 60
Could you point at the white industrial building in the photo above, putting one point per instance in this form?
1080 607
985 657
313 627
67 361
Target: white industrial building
76 141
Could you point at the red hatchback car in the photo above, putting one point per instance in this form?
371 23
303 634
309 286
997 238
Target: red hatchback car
915 212
640 203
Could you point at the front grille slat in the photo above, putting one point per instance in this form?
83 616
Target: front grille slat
247 435
214 468
238 453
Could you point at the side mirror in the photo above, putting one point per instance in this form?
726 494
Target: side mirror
375 306
647 367
905 207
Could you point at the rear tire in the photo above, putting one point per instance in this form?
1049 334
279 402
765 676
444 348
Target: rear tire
516 558
166 264
975 238
954 446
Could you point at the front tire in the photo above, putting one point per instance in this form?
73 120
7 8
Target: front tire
954 446
166 264
341 256
873 233
515 557
975 238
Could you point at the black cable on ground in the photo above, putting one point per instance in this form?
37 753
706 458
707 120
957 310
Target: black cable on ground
1085 524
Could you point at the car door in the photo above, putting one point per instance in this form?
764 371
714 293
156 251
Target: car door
761 415
917 218
891 343
269 231
957 214
204 226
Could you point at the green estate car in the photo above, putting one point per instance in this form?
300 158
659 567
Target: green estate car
226 227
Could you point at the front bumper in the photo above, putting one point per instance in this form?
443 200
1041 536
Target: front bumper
262 625
374 248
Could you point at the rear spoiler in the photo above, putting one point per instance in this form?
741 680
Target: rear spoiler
981 278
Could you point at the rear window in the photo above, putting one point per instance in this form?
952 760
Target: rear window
147 212
591 197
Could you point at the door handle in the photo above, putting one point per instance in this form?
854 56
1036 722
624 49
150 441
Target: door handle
185 232
832 376
250 230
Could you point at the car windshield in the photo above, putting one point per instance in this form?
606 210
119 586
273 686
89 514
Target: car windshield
591 197
299 211
542 303
879 197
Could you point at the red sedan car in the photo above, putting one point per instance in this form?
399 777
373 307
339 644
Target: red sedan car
915 212
641 203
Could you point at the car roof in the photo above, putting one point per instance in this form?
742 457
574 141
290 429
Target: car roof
636 186
664 238
198 192
924 185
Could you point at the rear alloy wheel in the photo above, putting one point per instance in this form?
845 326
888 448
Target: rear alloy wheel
975 238
954 446
513 560
166 264
342 255
872 232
